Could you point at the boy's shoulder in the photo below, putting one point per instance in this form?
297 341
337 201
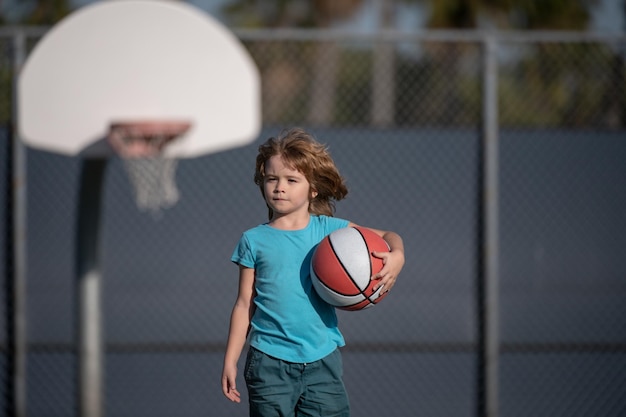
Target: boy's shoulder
256 229
328 221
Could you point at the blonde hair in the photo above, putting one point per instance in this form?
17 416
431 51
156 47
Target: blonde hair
300 151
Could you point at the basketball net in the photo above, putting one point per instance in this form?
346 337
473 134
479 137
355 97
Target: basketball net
151 174
153 181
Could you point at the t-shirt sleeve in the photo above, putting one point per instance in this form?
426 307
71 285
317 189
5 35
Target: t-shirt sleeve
242 255
333 223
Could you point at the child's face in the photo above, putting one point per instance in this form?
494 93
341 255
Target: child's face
287 191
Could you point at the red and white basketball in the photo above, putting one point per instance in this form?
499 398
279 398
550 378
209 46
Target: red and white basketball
342 266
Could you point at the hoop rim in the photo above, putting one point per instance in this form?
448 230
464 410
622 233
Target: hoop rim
152 127
135 138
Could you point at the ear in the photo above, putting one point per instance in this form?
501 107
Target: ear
313 194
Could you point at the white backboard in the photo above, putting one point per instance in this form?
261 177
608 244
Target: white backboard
138 60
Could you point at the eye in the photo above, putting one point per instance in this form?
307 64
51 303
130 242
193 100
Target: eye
270 179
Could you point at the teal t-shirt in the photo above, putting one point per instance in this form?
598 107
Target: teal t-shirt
291 322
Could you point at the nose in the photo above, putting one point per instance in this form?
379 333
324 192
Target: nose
278 188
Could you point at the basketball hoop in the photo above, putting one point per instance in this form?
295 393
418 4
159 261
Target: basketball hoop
152 175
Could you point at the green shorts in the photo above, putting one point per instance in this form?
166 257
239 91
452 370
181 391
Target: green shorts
285 389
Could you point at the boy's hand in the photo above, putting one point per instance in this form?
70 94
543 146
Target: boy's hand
229 388
393 263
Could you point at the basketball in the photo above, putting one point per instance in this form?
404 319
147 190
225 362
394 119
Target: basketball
342 266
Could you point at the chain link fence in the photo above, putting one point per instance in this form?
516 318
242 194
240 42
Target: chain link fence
403 116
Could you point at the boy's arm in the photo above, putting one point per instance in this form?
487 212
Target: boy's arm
239 327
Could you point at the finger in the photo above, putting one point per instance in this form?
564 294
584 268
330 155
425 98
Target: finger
380 275
381 282
383 288
381 255
234 395
386 281
230 390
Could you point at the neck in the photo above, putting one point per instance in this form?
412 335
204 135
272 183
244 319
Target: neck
290 222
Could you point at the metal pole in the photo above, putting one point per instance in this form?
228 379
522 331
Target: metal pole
383 71
490 233
90 351
19 242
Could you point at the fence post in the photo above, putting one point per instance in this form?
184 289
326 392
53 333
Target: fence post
18 213
489 297
383 70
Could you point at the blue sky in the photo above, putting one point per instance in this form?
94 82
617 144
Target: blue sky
608 16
